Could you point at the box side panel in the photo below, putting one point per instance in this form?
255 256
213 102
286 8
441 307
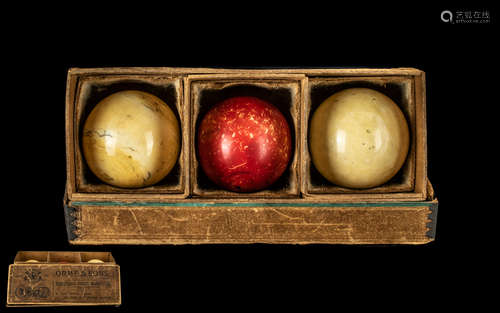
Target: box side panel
355 224
200 70
421 135
71 83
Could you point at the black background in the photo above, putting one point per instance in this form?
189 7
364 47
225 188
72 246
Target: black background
460 64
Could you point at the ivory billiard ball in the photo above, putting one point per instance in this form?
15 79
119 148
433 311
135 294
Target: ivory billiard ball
131 139
95 261
358 138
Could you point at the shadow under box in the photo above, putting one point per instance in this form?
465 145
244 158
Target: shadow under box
91 93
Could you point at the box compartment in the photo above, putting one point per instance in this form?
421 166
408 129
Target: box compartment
91 89
284 92
401 89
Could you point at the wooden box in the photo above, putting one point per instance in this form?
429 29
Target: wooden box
301 207
43 278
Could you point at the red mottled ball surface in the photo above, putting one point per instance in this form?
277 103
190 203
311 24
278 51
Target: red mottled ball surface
244 144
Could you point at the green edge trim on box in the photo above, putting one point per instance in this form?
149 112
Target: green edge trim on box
254 204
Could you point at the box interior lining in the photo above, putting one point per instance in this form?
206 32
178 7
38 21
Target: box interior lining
23 256
62 256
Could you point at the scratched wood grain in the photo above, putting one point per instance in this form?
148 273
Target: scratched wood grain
181 225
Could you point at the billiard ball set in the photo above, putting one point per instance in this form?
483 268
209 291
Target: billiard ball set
205 155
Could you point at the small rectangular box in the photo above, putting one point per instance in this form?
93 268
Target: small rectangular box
300 208
60 278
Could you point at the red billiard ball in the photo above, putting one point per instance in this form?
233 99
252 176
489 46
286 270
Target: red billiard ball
244 144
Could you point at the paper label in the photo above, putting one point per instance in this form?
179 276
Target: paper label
68 284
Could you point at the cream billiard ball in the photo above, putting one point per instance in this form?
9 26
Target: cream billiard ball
131 139
358 138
